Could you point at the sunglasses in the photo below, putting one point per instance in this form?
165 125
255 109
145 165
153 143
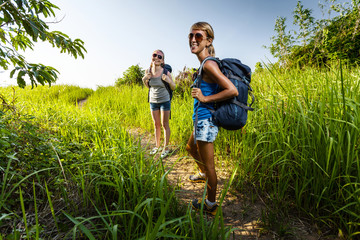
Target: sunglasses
157 55
198 36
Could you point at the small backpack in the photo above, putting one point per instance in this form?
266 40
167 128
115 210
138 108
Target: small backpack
231 114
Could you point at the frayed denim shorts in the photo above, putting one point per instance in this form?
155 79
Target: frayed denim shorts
206 130
165 106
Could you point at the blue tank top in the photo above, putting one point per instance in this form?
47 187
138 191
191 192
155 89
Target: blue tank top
207 89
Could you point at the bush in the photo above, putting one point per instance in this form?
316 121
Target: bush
184 80
133 75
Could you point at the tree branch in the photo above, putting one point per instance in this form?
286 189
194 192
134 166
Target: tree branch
4 4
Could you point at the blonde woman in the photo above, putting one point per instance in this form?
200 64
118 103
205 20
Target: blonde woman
159 98
201 148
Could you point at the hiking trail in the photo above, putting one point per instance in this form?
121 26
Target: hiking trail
239 211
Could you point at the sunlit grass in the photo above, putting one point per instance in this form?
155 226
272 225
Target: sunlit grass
300 147
98 183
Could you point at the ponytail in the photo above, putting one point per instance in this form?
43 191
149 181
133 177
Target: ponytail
211 50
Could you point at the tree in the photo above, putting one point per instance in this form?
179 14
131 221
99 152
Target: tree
320 42
22 25
133 75
303 18
258 67
282 42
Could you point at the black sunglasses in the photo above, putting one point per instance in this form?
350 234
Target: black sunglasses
198 36
157 55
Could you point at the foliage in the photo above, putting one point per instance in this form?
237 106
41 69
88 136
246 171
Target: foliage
21 25
282 42
303 18
133 75
184 80
322 41
258 67
301 145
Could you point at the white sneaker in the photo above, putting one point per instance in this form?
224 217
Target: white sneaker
154 150
164 153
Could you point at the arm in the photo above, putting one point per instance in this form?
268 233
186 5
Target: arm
146 78
167 78
212 74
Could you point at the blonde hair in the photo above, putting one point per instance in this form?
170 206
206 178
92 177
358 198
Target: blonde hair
206 27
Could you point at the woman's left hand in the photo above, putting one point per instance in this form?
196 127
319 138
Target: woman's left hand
168 79
196 93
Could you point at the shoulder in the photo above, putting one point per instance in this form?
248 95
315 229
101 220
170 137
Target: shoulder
211 66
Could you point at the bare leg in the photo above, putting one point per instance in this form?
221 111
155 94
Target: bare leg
165 115
157 125
206 151
192 149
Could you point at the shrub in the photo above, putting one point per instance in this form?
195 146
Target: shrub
133 75
184 80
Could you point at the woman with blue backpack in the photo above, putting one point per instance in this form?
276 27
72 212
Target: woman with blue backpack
205 92
159 81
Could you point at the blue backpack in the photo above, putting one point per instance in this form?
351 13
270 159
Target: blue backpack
231 114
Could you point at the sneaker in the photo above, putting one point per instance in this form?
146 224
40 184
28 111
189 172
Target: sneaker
154 150
196 204
197 178
165 153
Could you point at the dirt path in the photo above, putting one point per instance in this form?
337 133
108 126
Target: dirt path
239 211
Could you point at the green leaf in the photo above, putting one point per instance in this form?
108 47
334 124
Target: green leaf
20 80
35 30
81 226
22 24
12 73
28 27
19 3
4 143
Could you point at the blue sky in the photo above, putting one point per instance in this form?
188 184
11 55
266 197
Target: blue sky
118 34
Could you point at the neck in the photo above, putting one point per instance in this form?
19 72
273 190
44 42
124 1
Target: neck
202 55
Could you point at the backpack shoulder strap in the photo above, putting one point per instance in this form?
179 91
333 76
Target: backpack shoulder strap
167 85
206 59
198 84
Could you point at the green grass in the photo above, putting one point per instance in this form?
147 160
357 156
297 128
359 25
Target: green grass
300 148
77 173
302 143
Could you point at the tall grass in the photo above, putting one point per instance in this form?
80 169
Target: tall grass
130 105
98 183
300 146
302 143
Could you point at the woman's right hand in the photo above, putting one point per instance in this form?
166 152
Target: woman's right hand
147 74
146 78
197 93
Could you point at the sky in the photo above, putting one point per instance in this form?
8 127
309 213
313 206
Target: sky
122 33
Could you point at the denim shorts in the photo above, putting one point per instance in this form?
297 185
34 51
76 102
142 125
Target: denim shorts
165 106
206 130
